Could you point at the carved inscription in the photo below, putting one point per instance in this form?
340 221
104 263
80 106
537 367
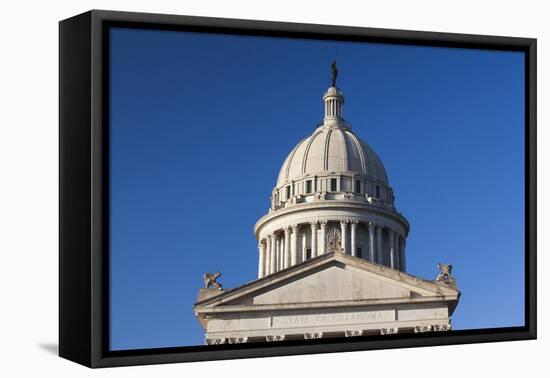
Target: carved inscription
335 318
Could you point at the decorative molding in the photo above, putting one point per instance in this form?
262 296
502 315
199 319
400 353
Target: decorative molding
422 328
388 331
220 341
237 340
270 338
334 240
353 333
313 335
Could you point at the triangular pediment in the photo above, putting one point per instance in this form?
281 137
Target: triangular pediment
333 282
331 278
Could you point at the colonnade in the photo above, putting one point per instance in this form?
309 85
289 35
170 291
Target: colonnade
279 250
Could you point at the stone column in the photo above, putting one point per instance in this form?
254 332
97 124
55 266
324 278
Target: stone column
279 252
379 254
371 242
396 247
280 245
353 228
287 247
294 245
343 229
402 255
313 239
273 253
277 248
304 246
391 240
268 255
323 245
261 259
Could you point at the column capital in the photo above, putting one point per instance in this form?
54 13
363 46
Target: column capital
216 341
353 223
422 328
286 230
388 331
344 222
371 226
323 223
313 335
237 340
294 228
270 338
313 225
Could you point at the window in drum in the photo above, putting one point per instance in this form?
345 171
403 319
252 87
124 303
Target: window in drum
333 184
308 186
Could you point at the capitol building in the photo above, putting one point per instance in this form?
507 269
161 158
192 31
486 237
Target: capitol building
331 252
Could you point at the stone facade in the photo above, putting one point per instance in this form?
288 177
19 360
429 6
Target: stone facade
333 295
331 253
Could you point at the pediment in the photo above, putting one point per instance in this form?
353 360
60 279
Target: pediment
334 282
331 278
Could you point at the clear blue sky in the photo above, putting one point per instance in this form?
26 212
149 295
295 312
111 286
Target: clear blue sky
201 123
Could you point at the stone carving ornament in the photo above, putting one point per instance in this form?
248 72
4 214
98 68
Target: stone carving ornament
334 240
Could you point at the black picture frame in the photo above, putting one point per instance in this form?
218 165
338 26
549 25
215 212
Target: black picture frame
84 188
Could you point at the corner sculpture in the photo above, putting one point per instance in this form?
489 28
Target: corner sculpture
210 280
444 273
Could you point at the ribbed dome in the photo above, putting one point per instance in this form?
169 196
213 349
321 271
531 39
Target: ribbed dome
332 194
332 149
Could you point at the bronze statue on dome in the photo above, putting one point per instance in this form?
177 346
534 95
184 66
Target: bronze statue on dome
334 72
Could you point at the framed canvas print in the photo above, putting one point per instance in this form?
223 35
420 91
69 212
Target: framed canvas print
234 188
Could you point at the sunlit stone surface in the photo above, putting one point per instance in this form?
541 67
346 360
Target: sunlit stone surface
331 252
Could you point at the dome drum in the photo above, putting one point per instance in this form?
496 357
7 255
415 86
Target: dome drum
331 186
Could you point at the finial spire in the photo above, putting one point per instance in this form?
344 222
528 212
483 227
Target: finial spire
334 72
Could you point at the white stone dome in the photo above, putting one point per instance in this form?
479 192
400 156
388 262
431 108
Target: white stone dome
332 194
332 162
332 150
